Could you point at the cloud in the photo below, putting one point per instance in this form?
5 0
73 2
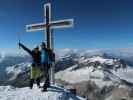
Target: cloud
12 51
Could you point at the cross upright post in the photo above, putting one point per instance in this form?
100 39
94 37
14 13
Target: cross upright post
48 19
47 9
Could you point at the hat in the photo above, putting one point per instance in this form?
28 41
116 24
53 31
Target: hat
43 44
37 47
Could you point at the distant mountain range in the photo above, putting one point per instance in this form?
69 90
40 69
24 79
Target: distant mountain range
12 65
103 69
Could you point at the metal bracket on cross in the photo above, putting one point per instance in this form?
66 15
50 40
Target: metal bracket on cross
48 25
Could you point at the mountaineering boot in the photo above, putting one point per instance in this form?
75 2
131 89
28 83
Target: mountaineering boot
48 82
31 83
38 82
46 85
44 90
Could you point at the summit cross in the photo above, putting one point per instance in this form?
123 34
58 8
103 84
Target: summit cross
48 25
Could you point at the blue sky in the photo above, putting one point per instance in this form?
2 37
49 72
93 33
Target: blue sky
98 23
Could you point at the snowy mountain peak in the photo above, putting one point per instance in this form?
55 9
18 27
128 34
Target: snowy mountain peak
103 71
16 70
99 59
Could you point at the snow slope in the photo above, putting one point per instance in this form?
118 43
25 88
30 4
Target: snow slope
126 74
83 74
14 71
103 74
53 93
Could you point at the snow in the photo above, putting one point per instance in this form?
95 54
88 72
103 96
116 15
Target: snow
15 70
80 75
98 74
96 59
83 74
90 52
126 74
73 76
86 74
100 83
53 93
63 53
101 60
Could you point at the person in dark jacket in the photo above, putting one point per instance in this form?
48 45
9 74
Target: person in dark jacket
35 73
47 57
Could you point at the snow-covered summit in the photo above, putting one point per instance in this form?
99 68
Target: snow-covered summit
53 93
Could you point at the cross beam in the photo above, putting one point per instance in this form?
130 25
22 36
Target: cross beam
48 25
55 24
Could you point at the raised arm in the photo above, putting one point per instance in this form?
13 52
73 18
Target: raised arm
25 48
